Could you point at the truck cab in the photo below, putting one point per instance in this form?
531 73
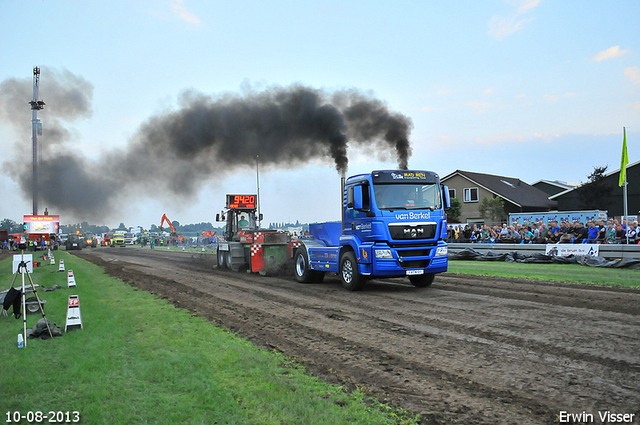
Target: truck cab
394 225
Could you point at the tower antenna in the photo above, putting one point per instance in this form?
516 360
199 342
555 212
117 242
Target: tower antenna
36 129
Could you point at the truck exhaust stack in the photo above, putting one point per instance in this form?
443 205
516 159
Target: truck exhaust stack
342 180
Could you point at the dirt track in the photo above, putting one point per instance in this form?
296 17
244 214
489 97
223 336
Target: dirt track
465 350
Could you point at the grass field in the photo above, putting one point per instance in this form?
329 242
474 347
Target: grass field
140 360
553 272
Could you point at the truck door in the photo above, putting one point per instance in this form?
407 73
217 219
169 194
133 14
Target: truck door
358 205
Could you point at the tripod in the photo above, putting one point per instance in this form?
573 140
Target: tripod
22 270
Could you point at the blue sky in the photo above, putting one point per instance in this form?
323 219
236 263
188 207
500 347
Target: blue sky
528 89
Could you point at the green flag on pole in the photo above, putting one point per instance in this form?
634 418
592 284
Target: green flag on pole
625 158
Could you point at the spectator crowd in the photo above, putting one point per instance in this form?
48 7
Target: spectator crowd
594 232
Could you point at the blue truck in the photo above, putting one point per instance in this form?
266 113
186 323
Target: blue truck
393 225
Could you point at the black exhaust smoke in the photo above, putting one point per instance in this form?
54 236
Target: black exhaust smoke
208 137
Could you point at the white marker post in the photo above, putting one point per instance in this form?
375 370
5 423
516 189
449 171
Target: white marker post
74 319
71 280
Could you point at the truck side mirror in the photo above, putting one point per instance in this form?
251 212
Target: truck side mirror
217 217
447 199
261 217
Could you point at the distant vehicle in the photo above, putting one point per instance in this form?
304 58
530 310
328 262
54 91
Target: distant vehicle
63 237
118 239
106 239
90 239
74 241
129 239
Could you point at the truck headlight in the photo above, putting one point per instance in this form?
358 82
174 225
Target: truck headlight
442 250
383 253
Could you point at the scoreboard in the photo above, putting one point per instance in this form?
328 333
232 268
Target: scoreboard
241 202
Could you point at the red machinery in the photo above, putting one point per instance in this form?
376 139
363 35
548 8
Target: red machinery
174 234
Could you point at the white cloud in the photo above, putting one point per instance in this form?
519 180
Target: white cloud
181 12
480 107
490 90
521 96
547 137
569 94
428 109
501 138
636 105
611 52
633 74
551 97
443 90
502 26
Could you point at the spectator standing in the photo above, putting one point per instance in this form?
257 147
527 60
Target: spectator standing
554 231
527 235
504 232
513 236
611 234
544 234
466 233
475 234
593 232
484 233
620 234
536 233
581 233
564 234
450 234
602 231
631 234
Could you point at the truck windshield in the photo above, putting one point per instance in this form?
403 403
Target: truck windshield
407 196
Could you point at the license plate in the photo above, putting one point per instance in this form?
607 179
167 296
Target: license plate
414 272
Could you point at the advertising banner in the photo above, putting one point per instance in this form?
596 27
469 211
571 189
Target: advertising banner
567 249
41 224
559 216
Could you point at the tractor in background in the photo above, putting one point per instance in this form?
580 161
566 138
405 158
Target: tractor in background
245 245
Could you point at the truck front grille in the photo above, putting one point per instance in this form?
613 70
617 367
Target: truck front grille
404 231
414 252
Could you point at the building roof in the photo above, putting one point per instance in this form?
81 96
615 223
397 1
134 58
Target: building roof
557 195
510 189
556 183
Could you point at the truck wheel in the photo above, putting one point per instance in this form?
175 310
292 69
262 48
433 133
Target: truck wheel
349 273
422 280
222 260
303 273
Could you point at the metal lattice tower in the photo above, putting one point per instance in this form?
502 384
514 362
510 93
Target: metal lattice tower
36 129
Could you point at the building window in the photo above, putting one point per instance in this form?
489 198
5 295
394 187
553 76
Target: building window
471 194
452 193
